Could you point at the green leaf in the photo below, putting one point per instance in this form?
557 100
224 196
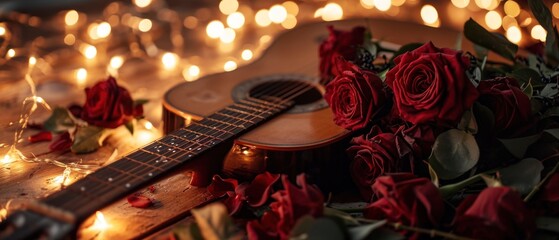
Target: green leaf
518 146
548 224
468 122
301 227
525 75
88 139
454 153
478 35
140 101
187 232
528 89
382 75
550 90
406 48
130 126
345 217
214 222
433 175
364 231
543 15
522 176
553 132
325 229
60 121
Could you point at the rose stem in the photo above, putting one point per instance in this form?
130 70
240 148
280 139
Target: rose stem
540 184
430 232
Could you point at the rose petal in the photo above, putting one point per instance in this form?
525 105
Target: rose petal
233 202
139 201
44 136
258 191
219 186
62 143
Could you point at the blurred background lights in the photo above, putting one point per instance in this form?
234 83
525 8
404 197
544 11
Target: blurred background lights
382 5
513 34
246 54
116 62
229 66
169 60
92 31
89 51
2 30
145 25
291 7
215 29
262 18
538 32
460 3
228 35
11 53
81 76
367 4
236 20
228 6
493 20
191 73
332 12
290 22
555 9
103 30
277 13
69 39
512 8
398 3
483 4
429 14
71 17
142 3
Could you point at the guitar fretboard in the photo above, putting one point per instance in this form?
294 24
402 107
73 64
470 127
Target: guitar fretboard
144 165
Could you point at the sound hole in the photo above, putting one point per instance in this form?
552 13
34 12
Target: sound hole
280 85
302 92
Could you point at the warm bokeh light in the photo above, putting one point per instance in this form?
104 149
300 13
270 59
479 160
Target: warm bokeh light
71 18
246 54
69 39
229 66
236 20
63 179
228 6
509 22
493 20
368 4
11 53
103 30
555 9
2 30
512 8
228 35
429 14
81 76
92 31
538 32
262 18
142 3
191 73
290 22
332 12
89 51
145 25
190 22
382 5
483 4
169 60
215 29
513 34
460 3
291 7
100 223
277 13
32 61
398 3
116 62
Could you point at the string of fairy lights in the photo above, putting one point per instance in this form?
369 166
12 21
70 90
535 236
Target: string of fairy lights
140 25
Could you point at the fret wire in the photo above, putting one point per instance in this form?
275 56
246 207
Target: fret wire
260 112
178 151
158 158
60 198
209 144
209 130
239 115
243 112
226 120
195 133
236 128
273 104
68 203
259 103
213 128
229 116
257 108
187 141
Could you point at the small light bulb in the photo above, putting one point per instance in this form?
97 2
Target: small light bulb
71 18
246 54
116 62
169 60
230 66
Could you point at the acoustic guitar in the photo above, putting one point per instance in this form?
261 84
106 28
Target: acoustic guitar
272 111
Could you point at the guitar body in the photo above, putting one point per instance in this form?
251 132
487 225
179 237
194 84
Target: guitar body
271 111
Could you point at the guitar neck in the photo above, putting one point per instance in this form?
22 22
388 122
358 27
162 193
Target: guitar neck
146 164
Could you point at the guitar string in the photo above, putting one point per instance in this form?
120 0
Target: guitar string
285 96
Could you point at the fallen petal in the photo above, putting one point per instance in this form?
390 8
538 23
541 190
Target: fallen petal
258 192
139 201
44 136
219 186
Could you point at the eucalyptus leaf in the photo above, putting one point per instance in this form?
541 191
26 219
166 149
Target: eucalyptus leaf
553 132
364 231
60 121
454 153
301 227
522 176
528 89
345 217
433 175
88 139
468 122
480 36
518 146
325 229
550 90
215 223
548 224
525 75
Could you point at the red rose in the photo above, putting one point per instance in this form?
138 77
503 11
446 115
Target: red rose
496 213
107 105
354 96
511 107
291 204
408 200
339 43
430 85
370 159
